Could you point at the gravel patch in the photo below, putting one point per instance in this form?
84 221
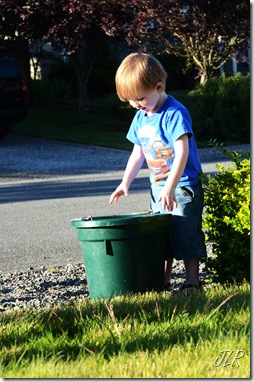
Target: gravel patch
43 288
24 158
50 287
208 154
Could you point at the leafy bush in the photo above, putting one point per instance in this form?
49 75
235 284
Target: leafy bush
227 219
221 109
46 92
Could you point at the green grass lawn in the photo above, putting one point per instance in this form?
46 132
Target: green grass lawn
142 336
106 122
53 123
154 335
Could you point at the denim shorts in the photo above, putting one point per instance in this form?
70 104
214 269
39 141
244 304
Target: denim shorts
186 237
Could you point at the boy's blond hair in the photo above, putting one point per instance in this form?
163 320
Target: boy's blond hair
138 72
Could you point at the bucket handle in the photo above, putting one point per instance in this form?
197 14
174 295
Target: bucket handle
108 247
89 217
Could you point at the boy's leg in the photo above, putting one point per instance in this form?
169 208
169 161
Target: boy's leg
192 271
185 230
168 270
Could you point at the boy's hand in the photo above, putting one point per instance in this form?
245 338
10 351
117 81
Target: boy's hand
119 191
167 199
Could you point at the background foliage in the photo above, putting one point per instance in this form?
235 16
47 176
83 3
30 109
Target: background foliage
81 29
221 108
227 219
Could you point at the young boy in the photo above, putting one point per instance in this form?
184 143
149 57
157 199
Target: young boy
161 132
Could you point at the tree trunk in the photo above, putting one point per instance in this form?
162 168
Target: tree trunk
83 60
203 79
82 80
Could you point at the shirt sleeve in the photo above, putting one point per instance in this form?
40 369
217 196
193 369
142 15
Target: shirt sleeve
179 123
132 135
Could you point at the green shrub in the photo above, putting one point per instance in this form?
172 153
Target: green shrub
50 91
227 219
221 109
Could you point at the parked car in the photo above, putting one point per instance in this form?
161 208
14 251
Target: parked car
13 92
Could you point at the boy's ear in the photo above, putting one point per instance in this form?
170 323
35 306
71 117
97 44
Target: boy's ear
159 87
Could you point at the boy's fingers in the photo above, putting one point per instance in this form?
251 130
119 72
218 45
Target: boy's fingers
116 195
112 198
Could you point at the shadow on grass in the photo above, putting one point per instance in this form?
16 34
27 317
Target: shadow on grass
136 323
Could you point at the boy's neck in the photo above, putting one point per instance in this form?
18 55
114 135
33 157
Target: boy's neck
162 100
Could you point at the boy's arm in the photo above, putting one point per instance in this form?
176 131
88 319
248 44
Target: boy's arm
167 194
133 166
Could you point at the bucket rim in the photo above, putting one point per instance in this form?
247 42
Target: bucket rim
117 220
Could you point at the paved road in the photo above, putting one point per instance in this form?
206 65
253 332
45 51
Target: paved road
46 184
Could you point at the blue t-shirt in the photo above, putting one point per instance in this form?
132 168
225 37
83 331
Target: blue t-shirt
156 135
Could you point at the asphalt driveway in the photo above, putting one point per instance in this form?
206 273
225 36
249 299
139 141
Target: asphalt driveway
45 184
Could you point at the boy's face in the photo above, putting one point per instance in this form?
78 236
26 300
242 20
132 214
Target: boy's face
149 100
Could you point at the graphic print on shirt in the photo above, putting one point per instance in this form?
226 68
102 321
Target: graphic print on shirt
158 155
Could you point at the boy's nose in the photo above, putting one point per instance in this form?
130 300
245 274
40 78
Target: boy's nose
135 104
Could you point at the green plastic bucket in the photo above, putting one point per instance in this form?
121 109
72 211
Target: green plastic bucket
124 253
